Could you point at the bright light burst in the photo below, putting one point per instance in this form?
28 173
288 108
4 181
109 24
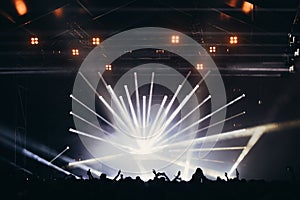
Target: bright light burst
145 138
135 131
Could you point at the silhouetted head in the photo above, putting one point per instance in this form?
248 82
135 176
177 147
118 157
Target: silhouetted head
103 176
199 171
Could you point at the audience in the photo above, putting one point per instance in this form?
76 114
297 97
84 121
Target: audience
160 187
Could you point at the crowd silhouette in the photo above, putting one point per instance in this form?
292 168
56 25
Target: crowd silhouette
159 187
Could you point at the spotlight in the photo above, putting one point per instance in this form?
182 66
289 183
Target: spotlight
199 66
292 39
212 49
75 52
296 53
233 40
20 7
292 69
175 39
247 7
34 40
160 51
63 151
108 67
96 41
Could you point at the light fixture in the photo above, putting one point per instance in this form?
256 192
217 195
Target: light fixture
199 66
108 67
233 40
75 52
247 7
96 41
34 40
212 49
175 39
297 52
160 51
20 7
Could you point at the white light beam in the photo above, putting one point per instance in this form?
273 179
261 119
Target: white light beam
213 149
121 147
153 125
204 118
138 109
187 115
150 98
90 123
102 118
165 113
92 160
116 116
131 106
63 151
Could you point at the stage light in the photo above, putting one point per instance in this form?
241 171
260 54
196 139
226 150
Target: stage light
58 12
247 7
199 66
160 51
33 156
292 39
34 40
75 52
212 49
232 3
20 7
233 40
96 41
175 39
296 53
108 67
292 69
63 151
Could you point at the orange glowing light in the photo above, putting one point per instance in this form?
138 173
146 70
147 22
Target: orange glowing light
224 16
247 7
108 67
20 7
96 41
58 12
75 52
34 40
232 3
212 49
175 39
233 40
199 66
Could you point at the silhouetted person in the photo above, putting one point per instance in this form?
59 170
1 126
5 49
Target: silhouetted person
198 176
155 173
226 175
103 177
118 174
160 175
237 174
89 173
219 180
177 177
138 179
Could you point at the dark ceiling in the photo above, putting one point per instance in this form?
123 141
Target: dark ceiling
63 25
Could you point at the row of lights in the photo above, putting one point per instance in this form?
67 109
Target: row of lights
175 39
200 66
35 40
